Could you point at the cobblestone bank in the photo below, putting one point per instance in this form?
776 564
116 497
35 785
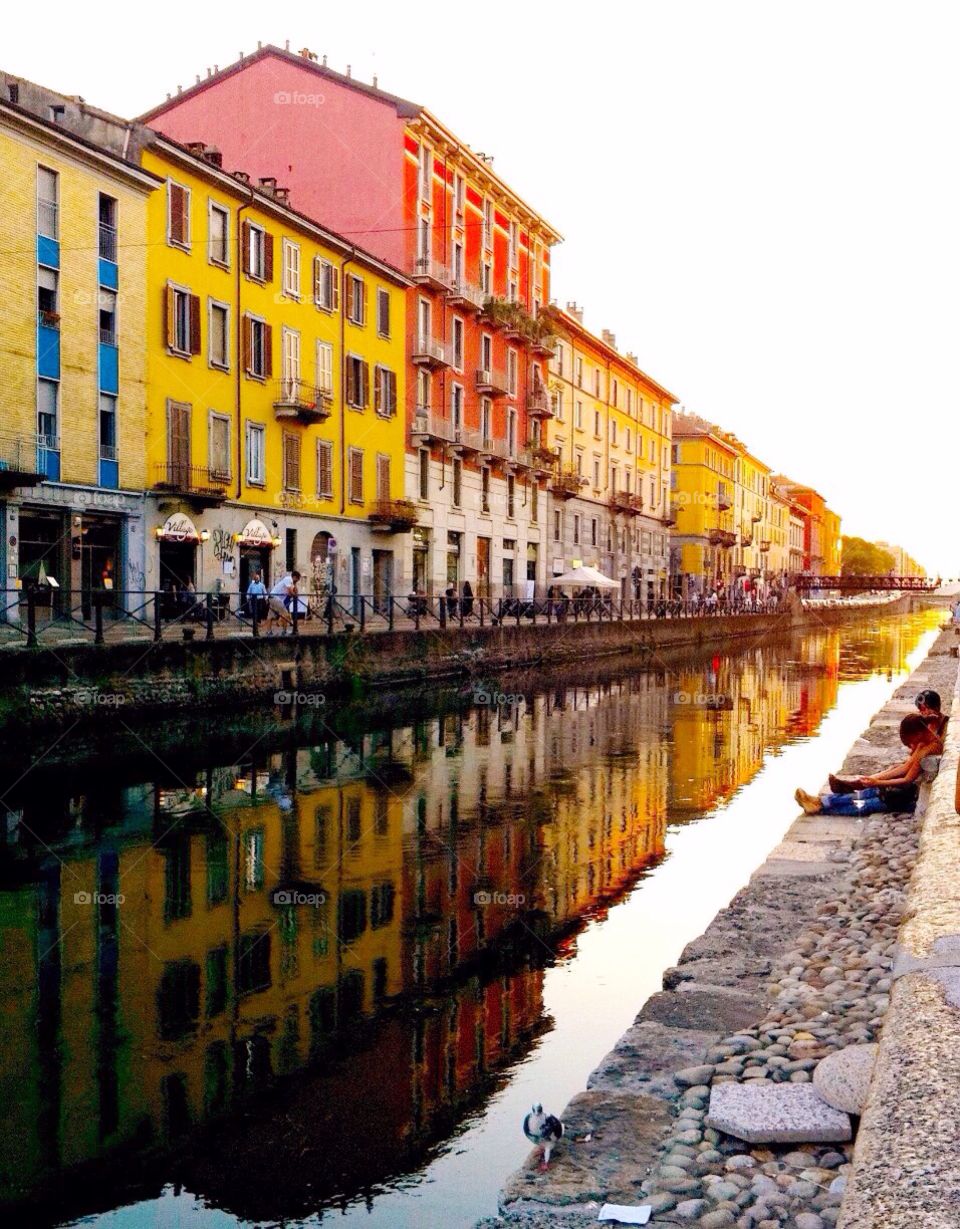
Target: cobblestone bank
745 1006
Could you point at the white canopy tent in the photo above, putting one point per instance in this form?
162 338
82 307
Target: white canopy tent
586 577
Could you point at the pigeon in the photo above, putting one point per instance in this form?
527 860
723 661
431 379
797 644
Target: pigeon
542 1130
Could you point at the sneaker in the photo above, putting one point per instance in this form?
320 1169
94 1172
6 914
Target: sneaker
809 802
840 785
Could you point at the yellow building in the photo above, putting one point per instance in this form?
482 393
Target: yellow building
606 427
277 379
832 543
72 350
703 488
777 533
752 517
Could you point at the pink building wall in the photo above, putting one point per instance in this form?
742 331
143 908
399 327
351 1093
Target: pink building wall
338 150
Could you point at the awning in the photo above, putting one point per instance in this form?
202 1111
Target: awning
587 577
178 528
255 533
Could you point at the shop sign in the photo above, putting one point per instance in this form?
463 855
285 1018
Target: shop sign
255 533
178 528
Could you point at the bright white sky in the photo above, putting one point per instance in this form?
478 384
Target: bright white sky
759 197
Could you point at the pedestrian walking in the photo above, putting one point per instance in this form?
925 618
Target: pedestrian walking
285 588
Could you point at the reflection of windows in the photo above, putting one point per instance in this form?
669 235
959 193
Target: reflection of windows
351 995
353 820
381 905
253 967
217 872
215 1076
351 915
380 979
323 1016
253 860
178 999
216 980
176 881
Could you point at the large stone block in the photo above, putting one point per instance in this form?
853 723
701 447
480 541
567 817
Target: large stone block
842 1079
763 1113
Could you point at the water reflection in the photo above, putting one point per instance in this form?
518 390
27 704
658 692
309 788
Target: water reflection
283 981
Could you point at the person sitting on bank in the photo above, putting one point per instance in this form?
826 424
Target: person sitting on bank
929 704
894 789
285 588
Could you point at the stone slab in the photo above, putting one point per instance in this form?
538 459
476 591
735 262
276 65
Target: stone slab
825 828
843 1078
767 1113
722 1009
647 1055
783 868
802 851
944 954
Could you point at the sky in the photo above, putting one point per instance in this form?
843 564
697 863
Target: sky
760 198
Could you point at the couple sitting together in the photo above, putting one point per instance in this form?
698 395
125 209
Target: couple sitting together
896 788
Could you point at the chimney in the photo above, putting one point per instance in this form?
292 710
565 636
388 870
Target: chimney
268 184
242 176
374 80
213 155
609 339
575 311
196 148
282 195
286 45
349 71
631 358
324 61
307 54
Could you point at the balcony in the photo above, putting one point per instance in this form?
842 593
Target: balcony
721 537
465 294
567 484
621 501
465 441
393 515
491 382
431 428
21 461
204 487
724 501
757 518
544 459
544 346
297 401
764 546
429 352
746 538
432 273
539 402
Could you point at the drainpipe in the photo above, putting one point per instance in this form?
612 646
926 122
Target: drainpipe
239 353
343 381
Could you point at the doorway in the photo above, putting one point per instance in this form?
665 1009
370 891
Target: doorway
253 559
483 567
382 579
99 562
355 581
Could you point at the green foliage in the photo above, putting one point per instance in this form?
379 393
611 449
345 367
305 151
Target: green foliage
863 558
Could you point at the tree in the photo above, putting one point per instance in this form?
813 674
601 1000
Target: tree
863 558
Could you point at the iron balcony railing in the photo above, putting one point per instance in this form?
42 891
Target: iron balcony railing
108 242
429 351
427 271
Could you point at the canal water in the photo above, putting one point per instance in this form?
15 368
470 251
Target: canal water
323 972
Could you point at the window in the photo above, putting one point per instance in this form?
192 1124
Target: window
257 253
291 461
511 496
534 503
558 405
291 268
579 369
424 473
576 529
48 392
108 316
107 222
258 348
383 476
613 431
596 382
326 285
256 468
182 311
178 215
593 531
219 446
485 490
324 469
219 339
383 312
458 190
557 525
48 297
325 366
614 393
356 299
512 372
385 392
290 356
457 483
596 424
486 278
218 235
596 474
486 352
108 427
514 238
425 177
578 415
457 343
488 224
358 382
423 390
355 471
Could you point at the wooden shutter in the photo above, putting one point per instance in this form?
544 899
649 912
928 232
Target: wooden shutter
246 342
364 399
324 467
391 392
291 462
245 246
194 324
383 313
178 214
351 297
356 475
267 256
317 281
378 389
383 477
169 316
361 303
267 351
178 440
334 288
352 381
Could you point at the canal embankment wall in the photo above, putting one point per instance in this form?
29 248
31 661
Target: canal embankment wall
51 686
803 963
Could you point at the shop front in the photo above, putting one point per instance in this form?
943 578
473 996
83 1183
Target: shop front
421 560
256 545
178 539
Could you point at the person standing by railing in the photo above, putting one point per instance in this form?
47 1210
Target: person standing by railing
285 588
256 596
